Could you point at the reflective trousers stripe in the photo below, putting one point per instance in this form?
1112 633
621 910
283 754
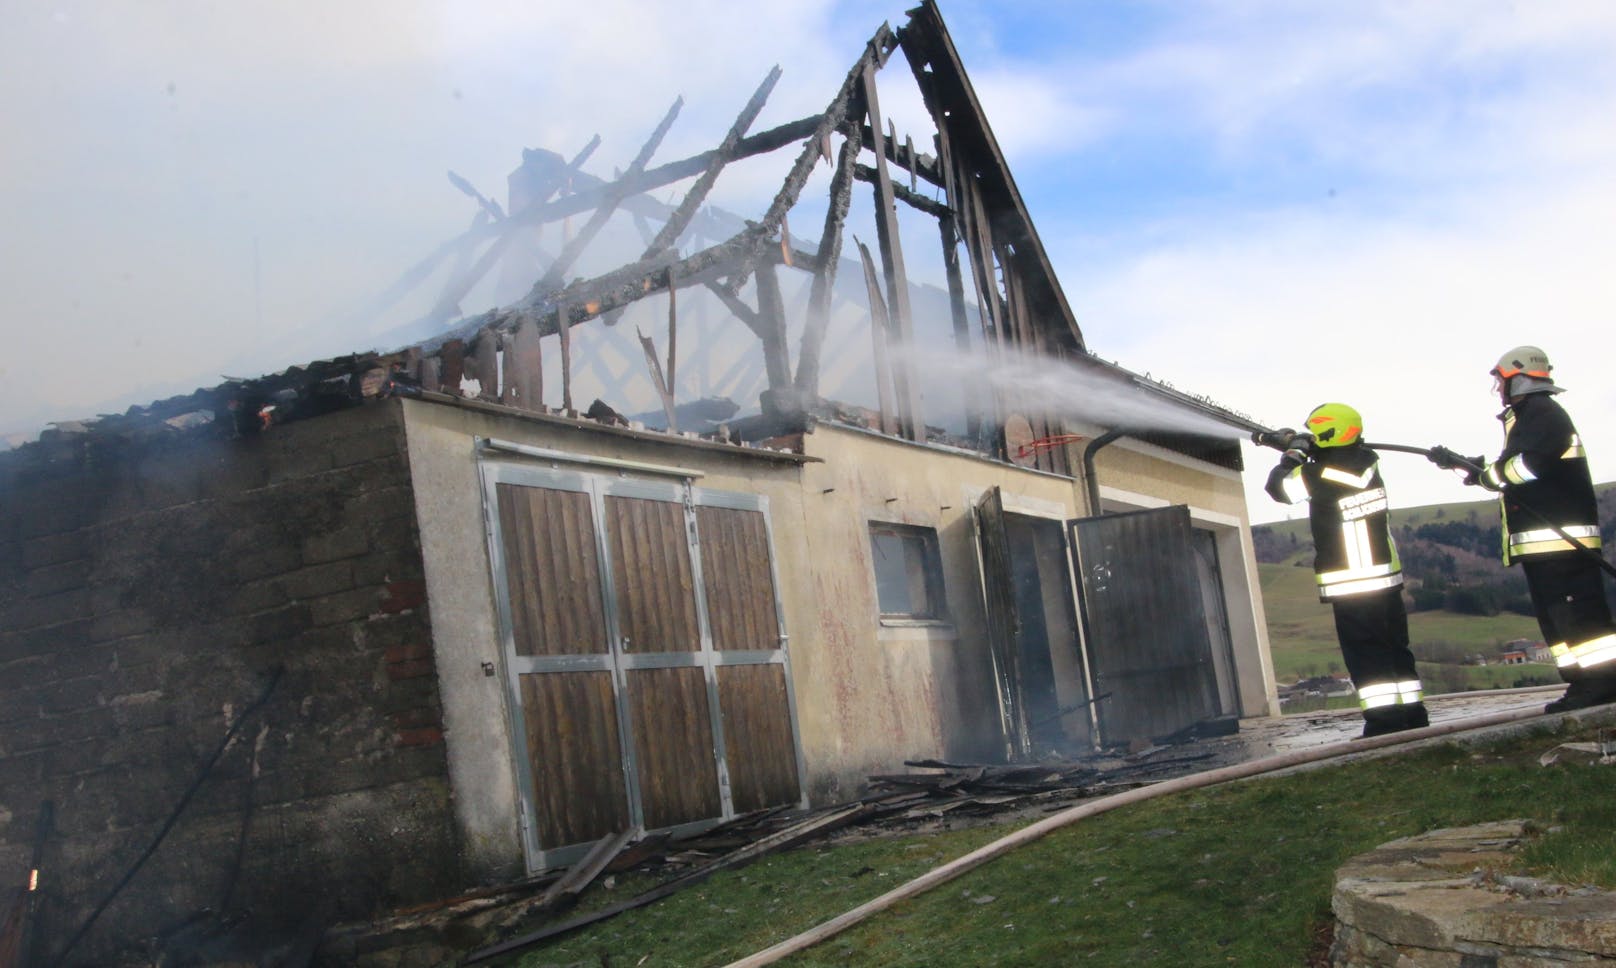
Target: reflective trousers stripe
1354 574
1380 694
1346 589
1594 651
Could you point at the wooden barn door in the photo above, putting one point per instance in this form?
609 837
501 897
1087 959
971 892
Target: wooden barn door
645 653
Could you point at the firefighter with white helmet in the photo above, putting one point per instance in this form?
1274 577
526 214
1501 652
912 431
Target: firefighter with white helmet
1355 562
1549 508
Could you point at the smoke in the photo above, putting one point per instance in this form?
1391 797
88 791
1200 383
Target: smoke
1112 398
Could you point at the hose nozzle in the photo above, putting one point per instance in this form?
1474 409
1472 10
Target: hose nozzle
1278 439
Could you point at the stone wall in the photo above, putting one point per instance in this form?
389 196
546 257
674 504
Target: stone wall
1438 900
149 593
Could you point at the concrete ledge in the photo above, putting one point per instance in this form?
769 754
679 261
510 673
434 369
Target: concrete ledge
1436 901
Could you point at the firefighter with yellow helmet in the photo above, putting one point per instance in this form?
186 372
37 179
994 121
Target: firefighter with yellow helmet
1547 499
1355 562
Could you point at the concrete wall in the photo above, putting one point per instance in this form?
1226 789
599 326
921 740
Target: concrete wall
454 533
869 693
147 593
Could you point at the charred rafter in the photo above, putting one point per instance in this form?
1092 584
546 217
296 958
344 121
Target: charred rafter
570 252
935 209
680 217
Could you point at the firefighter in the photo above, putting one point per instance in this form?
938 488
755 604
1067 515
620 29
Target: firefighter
1355 562
1542 476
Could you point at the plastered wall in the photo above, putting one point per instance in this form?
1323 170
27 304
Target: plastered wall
869 694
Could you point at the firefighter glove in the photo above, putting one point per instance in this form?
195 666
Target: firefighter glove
1477 474
1443 457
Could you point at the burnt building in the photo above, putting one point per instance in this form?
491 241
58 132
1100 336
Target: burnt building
381 629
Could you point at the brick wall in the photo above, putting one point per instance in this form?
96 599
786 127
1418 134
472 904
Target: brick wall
148 593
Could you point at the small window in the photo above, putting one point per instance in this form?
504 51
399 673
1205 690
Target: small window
908 571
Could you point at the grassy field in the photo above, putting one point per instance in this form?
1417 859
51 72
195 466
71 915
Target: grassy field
1238 874
1301 633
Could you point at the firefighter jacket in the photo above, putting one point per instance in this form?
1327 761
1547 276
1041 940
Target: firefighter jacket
1354 553
1543 476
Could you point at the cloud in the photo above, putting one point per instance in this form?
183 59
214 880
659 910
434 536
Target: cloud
1272 315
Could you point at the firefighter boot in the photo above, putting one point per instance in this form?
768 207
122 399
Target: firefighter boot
1583 692
1415 716
1379 722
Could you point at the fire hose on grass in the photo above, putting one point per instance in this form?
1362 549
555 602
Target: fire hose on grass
980 856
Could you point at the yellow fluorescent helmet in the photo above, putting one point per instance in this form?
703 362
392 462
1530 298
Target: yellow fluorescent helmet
1523 359
1334 425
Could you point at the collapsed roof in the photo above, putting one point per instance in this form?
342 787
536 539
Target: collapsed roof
836 338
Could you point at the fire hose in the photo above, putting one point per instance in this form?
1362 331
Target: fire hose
1448 460
1071 815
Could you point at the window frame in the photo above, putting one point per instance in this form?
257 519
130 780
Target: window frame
916 541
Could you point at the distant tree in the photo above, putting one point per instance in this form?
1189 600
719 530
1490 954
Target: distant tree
1430 596
1472 600
1440 513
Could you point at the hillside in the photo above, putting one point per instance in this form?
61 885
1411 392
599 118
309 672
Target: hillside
1464 605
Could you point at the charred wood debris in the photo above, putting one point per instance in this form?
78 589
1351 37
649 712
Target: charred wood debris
934 796
494 357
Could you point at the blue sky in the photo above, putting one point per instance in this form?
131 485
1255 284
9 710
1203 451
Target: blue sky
1269 203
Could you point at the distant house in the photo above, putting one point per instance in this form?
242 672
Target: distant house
1316 687
1531 649
1513 657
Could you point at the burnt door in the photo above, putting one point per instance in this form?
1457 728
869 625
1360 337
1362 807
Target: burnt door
1148 643
649 682
1004 620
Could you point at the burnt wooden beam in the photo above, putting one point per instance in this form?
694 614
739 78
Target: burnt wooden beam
878 340
962 325
448 302
486 204
704 183
921 165
865 173
815 825
603 212
566 361
930 50
485 353
874 55
631 185
659 380
452 356
524 359
830 251
772 313
746 314
911 423
459 285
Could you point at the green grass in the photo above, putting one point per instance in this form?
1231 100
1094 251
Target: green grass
1301 634
1233 875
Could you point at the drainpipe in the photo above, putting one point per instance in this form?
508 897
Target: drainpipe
1089 478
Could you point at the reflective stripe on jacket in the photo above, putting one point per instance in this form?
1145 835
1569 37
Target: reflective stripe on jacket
1354 550
1544 480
